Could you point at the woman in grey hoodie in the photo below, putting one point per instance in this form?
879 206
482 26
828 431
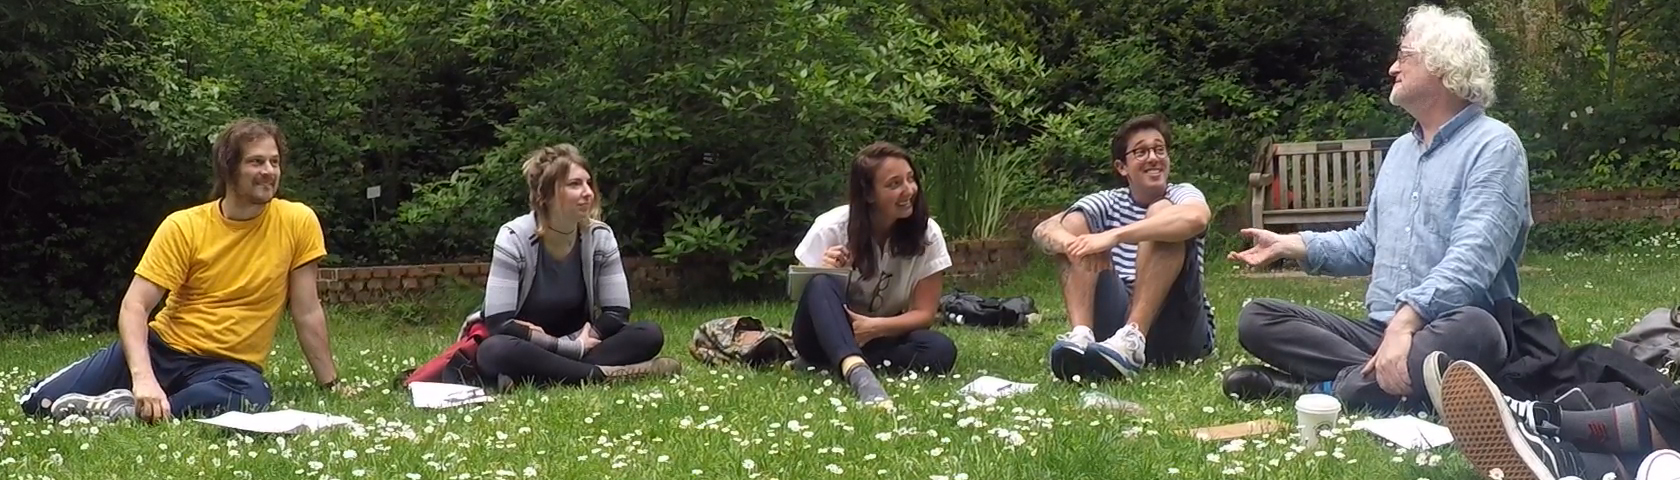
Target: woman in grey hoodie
557 303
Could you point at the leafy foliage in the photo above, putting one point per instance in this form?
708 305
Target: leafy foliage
718 128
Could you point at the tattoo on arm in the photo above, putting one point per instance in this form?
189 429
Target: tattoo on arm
1043 232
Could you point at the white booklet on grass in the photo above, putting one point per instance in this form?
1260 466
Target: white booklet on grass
993 387
446 395
279 421
799 275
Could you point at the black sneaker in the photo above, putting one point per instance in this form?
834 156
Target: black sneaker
1544 418
113 405
1260 382
1434 367
1493 436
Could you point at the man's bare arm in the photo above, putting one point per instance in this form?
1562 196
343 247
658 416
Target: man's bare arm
132 317
1053 234
311 322
1176 223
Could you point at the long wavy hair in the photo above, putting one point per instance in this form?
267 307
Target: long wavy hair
908 236
545 169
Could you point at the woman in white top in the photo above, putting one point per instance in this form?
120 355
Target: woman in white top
879 317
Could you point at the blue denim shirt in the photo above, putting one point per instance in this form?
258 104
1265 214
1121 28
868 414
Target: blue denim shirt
1446 224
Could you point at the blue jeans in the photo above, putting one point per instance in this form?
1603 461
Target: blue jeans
196 386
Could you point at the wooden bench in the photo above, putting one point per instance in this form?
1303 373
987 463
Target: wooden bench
1308 183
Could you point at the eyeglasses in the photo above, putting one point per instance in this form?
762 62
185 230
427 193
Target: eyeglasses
880 292
1405 53
1142 152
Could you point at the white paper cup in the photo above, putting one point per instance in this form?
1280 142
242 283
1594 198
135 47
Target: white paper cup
1315 412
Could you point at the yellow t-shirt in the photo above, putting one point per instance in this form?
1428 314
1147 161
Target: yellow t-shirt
227 280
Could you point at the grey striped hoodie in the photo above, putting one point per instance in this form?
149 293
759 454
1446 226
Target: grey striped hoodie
514 265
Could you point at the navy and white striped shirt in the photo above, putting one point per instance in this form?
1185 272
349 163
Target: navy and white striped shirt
1110 209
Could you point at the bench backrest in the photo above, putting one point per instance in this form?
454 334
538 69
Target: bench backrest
1322 175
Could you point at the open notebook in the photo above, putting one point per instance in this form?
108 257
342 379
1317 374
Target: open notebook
799 275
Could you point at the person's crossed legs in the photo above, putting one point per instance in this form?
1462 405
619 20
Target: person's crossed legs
1318 351
823 335
1157 319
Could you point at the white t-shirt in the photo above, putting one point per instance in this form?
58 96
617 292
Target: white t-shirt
888 293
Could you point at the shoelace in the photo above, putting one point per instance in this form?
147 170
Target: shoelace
1072 337
1524 410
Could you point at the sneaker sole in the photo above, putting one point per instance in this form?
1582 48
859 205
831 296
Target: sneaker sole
1648 468
77 404
1067 360
1483 429
1432 372
1108 364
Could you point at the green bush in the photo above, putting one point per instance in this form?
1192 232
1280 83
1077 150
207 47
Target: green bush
719 128
1600 236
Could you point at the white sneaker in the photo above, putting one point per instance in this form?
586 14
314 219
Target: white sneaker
1660 465
1067 355
1119 356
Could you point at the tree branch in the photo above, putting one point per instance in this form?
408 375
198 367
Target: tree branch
651 29
1633 21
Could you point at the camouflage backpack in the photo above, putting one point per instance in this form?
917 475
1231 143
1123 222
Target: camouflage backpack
741 340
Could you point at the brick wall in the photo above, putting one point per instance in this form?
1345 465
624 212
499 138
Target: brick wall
1657 205
648 277
369 284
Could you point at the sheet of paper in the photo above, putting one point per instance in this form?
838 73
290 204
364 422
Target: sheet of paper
446 395
1407 431
994 387
799 275
279 421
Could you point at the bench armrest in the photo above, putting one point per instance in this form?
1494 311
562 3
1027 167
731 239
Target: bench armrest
1259 181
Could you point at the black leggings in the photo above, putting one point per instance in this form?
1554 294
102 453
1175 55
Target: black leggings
525 362
823 334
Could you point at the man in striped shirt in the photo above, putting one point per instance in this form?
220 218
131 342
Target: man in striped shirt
1131 265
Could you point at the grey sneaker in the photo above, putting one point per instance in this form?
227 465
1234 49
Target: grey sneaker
113 405
658 367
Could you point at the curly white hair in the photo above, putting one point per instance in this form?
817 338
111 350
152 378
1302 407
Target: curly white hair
1451 48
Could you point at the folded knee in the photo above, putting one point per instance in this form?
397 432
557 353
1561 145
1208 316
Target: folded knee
939 353
823 284
492 350
647 333
1258 315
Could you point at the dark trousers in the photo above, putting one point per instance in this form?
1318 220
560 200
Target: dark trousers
1322 346
527 363
1182 330
822 332
1663 405
197 386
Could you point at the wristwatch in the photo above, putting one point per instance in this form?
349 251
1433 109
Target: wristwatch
329 385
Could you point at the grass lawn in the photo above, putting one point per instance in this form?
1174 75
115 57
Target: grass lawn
733 423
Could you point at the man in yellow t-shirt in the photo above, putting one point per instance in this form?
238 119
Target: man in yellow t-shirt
228 266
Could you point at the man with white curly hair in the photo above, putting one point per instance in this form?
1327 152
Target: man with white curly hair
1447 222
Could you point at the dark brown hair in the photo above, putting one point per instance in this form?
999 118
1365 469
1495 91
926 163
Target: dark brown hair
908 236
229 150
1122 139
545 168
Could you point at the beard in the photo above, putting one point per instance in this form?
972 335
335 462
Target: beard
258 195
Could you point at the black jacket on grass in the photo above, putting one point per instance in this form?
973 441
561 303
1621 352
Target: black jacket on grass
1542 366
